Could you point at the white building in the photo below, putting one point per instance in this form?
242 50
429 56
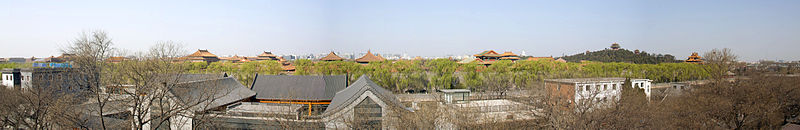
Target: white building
455 95
645 84
11 78
594 90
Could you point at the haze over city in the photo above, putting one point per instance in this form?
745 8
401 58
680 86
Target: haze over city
754 30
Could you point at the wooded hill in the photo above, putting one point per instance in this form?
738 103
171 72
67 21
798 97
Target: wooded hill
622 55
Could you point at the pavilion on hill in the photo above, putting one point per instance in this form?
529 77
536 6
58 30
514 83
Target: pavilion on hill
331 57
615 46
694 58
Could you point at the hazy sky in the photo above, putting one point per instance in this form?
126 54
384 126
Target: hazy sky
755 29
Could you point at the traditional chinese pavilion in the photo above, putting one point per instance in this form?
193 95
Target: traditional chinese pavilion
615 46
331 57
369 57
490 56
202 56
234 59
509 56
694 58
266 56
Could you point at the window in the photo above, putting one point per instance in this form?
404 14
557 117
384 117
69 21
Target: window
596 87
605 87
586 87
614 86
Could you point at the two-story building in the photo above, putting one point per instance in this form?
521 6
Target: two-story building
56 79
11 78
597 91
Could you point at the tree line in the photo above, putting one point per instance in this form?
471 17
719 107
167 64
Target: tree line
622 55
753 100
416 75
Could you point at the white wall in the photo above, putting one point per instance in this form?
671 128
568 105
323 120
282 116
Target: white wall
593 94
181 122
643 84
8 80
26 79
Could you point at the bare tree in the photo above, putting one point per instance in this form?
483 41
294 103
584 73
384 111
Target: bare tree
719 62
90 52
146 81
166 49
41 105
160 95
427 116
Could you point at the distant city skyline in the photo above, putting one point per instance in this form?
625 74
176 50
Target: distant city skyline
754 30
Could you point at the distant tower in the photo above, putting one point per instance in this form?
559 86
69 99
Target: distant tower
615 46
523 53
694 58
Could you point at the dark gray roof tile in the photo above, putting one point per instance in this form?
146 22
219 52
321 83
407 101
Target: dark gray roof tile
207 94
298 87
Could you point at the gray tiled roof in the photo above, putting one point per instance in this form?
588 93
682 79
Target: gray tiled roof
207 94
355 90
109 107
298 87
196 77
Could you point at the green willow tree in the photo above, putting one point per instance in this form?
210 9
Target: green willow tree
303 67
442 73
472 75
409 75
406 75
381 73
498 77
